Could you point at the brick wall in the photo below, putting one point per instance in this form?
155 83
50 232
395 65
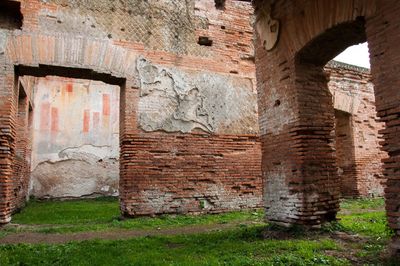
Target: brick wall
312 33
7 140
21 164
180 173
193 42
383 37
344 143
296 107
104 40
358 150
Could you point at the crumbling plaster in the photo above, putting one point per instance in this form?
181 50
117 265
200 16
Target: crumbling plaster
175 100
76 138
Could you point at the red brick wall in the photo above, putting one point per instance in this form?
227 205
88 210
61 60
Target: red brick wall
180 173
21 165
360 156
383 38
48 38
8 107
344 143
312 33
296 107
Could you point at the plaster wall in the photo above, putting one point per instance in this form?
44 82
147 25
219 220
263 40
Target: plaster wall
75 138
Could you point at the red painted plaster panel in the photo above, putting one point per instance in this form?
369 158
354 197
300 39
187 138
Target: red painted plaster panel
54 119
106 104
86 120
45 116
70 87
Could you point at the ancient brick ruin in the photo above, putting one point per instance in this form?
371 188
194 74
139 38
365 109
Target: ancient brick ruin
295 40
197 131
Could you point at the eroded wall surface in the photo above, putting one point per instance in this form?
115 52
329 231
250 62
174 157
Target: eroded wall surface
75 138
189 131
360 167
23 147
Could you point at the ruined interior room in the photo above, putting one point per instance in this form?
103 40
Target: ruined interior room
200 107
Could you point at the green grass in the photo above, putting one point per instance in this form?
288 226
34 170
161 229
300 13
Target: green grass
73 212
362 204
241 245
102 214
238 247
367 224
365 217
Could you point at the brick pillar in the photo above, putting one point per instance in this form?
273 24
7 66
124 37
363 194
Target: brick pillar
383 34
297 134
7 137
21 164
128 129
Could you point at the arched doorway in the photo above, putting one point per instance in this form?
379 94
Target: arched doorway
296 113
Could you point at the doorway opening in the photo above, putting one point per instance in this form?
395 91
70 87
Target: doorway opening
358 151
71 122
75 149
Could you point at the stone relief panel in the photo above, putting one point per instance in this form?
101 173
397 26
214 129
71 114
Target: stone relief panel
172 100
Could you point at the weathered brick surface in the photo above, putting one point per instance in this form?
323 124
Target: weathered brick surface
183 173
383 37
358 150
21 164
7 141
50 39
313 33
296 109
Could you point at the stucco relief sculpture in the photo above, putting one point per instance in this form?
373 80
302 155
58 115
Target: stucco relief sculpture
171 103
267 29
173 100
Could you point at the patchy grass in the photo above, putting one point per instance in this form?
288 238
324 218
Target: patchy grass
360 205
365 217
103 214
243 245
239 247
72 212
368 224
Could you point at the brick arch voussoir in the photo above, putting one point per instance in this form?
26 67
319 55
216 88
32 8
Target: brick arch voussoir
99 55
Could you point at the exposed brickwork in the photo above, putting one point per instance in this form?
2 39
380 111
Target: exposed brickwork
21 164
313 33
383 38
110 54
357 141
172 37
189 173
7 141
344 143
296 108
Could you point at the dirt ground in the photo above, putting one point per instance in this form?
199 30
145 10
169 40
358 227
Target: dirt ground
42 238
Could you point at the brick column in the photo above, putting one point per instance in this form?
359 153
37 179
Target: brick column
7 137
128 129
299 166
21 165
383 37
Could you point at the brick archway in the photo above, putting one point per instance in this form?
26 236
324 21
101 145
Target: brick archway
296 114
39 55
